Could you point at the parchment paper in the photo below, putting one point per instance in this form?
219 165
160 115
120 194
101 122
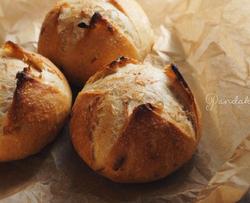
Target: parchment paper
210 41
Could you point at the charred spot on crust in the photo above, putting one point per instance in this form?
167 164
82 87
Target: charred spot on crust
97 17
110 28
118 60
178 75
149 107
119 162
143 110
111 68
22 76
145 107
122 60
83 25
179 87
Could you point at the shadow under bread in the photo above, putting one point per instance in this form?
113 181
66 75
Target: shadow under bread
17 175
83 183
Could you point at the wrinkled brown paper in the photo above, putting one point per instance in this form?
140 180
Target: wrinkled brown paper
209 40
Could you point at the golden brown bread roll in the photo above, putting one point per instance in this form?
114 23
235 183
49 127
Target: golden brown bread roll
33 108
137 123
82 36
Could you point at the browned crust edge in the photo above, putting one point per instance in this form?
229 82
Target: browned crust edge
184 95
111 68
13 50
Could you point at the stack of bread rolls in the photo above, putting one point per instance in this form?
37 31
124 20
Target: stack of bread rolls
131 122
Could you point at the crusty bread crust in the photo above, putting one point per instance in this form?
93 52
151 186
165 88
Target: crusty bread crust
132 138
81 38
41 102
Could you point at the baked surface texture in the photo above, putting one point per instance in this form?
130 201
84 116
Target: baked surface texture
135 122
82 36
35 100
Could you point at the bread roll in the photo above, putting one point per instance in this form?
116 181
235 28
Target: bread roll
34 107
137 123
82 36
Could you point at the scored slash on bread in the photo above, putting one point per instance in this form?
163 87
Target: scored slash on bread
96 18
184 95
